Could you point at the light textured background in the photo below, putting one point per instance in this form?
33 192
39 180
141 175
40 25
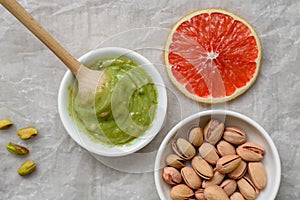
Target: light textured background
30 76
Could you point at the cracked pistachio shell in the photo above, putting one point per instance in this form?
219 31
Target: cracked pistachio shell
171 175
209 153
196 136
247 188
27 132
5 123
16 149
215 192
181 192
258 174
228 163
173 160
183 149
190 178
26 168
213 131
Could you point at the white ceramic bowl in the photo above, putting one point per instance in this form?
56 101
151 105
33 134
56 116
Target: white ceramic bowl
254 133
96 147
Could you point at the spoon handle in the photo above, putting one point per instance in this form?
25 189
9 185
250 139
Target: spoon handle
27 20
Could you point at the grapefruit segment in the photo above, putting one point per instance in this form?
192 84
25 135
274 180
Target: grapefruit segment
212 55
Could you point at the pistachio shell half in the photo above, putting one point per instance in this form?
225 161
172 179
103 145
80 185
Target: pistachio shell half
183 149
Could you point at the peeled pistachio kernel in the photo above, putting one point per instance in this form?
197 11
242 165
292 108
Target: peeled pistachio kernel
27 132
5 123
16 149
26 168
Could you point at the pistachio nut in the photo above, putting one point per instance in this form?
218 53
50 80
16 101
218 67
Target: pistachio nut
173 160
251 151
199 194
225 148
171 176
234 135
258 175
239 172
213 131
247 188
229 186
16 149
228 163
196 136
209 153
237 196
181 192
5 123
183 149
202 168
26 168
215 180
215 192
27 132
190 178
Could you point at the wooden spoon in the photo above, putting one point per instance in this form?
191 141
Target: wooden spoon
88 80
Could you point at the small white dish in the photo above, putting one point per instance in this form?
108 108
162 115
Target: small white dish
81 138
254 131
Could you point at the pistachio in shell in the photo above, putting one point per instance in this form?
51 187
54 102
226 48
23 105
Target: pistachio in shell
190 178
195 136
202 168
183 149
209 153
181 192
215 192
174 160
171 175
258 174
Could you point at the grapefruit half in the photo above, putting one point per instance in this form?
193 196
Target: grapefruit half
212 55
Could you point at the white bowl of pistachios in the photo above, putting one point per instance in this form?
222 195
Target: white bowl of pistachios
216 155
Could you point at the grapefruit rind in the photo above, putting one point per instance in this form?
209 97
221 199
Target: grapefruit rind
212 100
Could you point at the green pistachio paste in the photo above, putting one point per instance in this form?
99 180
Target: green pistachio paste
122 109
